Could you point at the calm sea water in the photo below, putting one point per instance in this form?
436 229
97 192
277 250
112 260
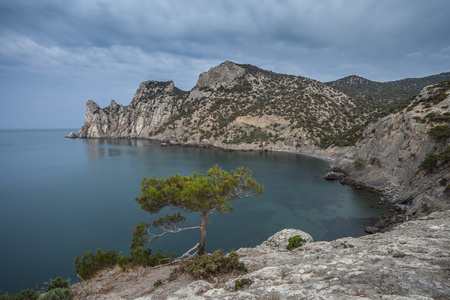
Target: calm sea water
61 197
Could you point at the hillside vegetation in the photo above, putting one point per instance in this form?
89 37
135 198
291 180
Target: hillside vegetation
382 94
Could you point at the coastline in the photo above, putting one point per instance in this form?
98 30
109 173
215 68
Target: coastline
317 155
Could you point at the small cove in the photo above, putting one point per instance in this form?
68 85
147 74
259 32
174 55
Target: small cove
62 197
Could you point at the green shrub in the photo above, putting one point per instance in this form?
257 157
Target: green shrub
203 266
440 131
431 160
28 294
447 189
425 208
429 163
140 257
295 242
358 163
399 255
90 264
242 283
157 283
58 282
58 294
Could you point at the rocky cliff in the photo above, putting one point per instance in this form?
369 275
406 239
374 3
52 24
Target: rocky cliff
152 106
232 106
405 154
410 262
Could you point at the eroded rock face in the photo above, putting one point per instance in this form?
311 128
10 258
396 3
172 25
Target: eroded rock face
152 106
224 75
389 157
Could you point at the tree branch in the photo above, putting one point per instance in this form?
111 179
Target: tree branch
189 251
153 237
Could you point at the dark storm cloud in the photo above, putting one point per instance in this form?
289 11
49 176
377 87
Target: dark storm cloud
96 43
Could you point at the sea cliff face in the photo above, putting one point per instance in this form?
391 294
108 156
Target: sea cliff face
152 106
391 157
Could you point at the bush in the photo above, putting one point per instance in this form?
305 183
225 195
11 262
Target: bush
203 266
242 283
440 132
429 163
425 208
295 242
142 258
58 282
90 264
23 295
431 160
58 294
358 163
157 283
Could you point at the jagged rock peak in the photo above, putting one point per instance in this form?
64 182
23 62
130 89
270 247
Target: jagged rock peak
224 75
151 89
91 107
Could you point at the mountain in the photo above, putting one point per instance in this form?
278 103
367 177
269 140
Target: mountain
232 106
382 93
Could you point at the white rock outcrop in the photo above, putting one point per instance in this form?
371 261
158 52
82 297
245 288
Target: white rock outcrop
410 262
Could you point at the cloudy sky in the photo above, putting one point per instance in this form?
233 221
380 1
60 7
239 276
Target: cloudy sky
55 55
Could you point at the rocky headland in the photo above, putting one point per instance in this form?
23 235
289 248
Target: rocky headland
405 155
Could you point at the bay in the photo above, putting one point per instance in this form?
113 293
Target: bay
61 197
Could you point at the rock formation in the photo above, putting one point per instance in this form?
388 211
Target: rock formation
410 262
232 107
391 155
152 106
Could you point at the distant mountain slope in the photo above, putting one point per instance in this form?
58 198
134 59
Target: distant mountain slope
385 93
232 106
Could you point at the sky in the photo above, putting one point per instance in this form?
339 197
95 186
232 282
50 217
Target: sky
55 55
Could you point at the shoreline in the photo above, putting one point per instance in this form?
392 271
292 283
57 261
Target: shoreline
320 156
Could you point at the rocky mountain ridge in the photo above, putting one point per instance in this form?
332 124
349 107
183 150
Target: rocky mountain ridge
232 106
385 93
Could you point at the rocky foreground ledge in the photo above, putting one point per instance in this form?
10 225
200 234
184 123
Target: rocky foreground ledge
412 261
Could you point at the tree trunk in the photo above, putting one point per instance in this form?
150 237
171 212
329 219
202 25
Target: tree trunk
201 246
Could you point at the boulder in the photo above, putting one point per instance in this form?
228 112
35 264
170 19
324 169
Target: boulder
72 135
280 239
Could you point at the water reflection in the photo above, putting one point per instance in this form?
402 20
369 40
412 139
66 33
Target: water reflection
108 147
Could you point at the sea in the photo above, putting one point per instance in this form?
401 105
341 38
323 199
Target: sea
61 197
